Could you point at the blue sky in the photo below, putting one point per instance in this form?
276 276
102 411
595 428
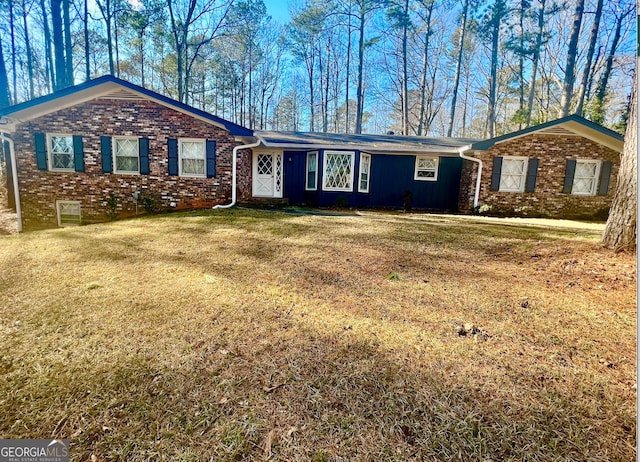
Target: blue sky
278 9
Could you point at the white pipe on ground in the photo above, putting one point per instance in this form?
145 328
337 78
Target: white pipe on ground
14 174
479 162
234 168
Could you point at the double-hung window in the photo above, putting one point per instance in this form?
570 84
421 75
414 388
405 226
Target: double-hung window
338 171
426 169
126 155
311 183
61 152
365 168
585 179
192 160
513 174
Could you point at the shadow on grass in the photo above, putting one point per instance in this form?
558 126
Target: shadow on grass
313 397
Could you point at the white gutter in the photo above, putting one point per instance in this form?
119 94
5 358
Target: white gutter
359 147
234 174
14 174
479 162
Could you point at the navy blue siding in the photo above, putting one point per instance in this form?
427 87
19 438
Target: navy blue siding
391 177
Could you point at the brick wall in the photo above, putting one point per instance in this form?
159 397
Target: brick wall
548 198
39 190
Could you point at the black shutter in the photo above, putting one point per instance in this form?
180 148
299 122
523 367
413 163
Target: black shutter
568 176
605 178
495 175
211 158
78 153
532 175
143 148
172 148
105 149
41 150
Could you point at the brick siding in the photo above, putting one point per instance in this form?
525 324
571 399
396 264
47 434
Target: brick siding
548 199
39 190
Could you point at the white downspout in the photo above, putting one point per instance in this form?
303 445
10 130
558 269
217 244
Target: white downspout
234 168
14 174
479 162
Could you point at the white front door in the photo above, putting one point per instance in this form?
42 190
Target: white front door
267 174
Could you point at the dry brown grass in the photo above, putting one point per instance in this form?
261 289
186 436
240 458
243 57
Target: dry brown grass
245 335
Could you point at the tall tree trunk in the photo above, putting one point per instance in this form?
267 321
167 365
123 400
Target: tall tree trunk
347 125
456 80
405 71
115 40
360 90
58 44
569 75
14 70
50 78
27 45
593 39
4 81
68 45
534 61
620 232
493 79
523 10
601 90
87 65
423 78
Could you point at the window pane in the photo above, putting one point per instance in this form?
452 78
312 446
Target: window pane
193 166
193 150
265 164
338 171
585 178
126 155
127 164
61 152
62 161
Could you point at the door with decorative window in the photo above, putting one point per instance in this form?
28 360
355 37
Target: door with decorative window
267 174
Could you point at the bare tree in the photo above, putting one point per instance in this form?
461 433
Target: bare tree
593 39
570 69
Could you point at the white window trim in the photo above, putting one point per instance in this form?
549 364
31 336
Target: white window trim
596 179
415 171
306 172
352 155
58 203
360 172
50 153
114 151
191 175
524 175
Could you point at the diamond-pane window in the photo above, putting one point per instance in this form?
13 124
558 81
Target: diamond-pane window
265 164
126 155
426 169
192 158
586 177
512 177
61 151
338 171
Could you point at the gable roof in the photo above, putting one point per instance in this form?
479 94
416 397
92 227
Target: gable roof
570 125
362 142
107 85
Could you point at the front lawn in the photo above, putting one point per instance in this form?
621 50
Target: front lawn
248 335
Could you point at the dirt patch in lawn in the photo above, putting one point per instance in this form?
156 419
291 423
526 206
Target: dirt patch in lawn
248 335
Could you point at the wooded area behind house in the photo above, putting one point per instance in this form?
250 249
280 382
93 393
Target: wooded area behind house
463 68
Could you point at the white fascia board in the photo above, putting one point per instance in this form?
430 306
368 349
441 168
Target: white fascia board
356 147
